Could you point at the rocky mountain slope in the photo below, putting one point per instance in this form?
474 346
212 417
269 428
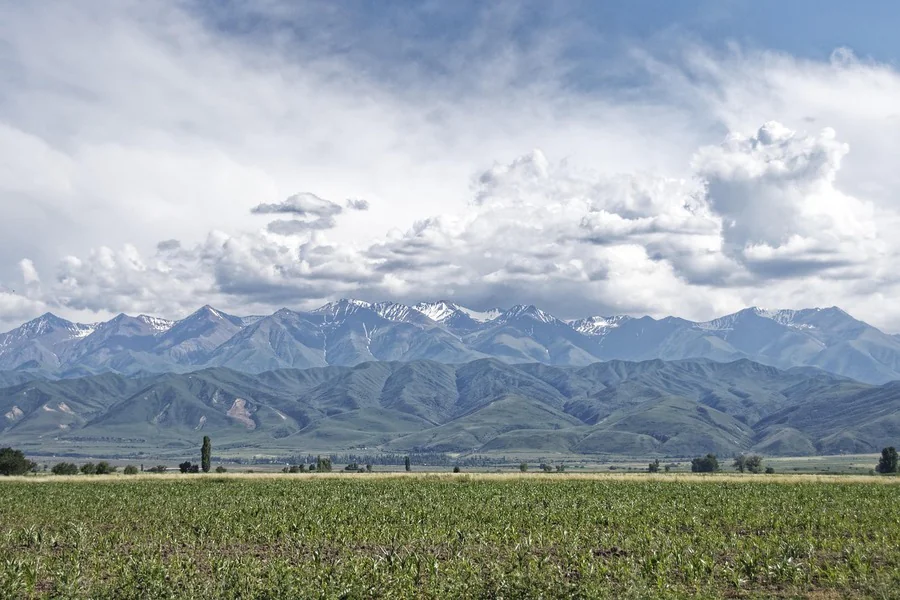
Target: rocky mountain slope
676 408
350 332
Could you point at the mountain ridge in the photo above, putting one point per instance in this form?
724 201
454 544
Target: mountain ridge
348 332
656 408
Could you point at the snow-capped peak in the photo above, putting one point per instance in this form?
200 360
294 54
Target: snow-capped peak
46 324
786 317
481 316
438 311
157 324
529 311
341 309
597 326
393 311
443 310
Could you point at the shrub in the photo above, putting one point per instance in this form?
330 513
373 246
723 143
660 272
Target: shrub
64 468
653 467
560 468
456 469
705 464
131 470
104 468
770 470
352 467
89 469
13 462
523 466
369 468
221 469
185 467
157 469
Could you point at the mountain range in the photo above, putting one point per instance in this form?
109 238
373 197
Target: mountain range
676 408
352 332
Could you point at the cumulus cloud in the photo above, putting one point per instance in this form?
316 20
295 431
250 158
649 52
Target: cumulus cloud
303 204
357 204
29 272
167 245
295 226
577 241
133 125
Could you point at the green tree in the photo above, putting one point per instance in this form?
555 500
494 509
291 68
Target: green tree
407 464
221 469
754 463
560 468
523 466
770 470
456 469
89 469
131 470
13 462
185 467
888 463
64 468
206 454
740 463
653 467
369 468
104 468
323 464
705 464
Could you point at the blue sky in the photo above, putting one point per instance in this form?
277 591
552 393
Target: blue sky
391 31
687 158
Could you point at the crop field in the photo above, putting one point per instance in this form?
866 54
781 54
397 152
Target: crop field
365 536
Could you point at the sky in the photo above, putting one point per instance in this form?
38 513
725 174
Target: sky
649 157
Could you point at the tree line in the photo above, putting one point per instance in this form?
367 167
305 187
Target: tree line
14 462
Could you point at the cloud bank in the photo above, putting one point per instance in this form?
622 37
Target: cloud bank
141 176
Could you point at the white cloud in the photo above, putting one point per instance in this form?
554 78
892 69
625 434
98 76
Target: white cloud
141 138
303 204
29 273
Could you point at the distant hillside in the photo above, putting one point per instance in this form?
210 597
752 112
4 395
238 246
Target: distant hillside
351 332
675 408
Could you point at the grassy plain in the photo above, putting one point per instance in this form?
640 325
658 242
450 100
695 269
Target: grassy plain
446 536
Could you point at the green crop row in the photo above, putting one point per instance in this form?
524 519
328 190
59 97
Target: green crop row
307 537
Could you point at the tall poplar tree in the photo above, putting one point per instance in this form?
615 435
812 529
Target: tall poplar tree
206 455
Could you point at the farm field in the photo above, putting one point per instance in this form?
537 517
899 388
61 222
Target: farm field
448 536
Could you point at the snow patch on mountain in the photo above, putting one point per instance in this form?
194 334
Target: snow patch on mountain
597 326
442 310
156 324
393 311
786 317
438 311
529 311
481 316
